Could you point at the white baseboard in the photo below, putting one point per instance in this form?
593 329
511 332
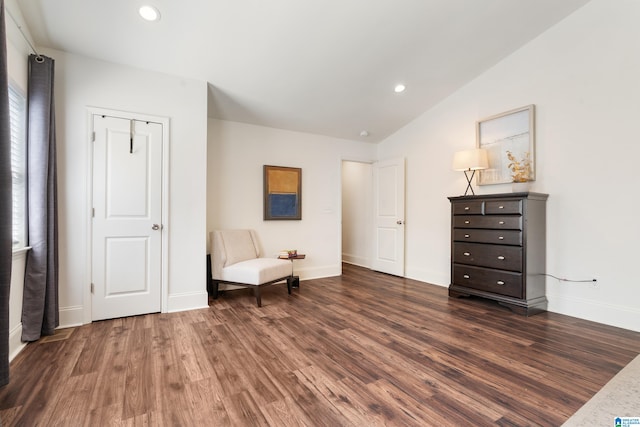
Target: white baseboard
15 342
187 301
71 316
428 276
360 261
614 315
319 272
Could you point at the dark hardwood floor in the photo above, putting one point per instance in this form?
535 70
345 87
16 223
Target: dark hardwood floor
362 349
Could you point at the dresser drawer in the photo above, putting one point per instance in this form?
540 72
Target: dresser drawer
504 237
501 207
493 256
513 222
484 279
473 207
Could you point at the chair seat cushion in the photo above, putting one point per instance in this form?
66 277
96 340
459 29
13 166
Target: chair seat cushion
257 271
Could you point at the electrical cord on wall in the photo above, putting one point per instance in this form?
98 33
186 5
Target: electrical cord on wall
561 279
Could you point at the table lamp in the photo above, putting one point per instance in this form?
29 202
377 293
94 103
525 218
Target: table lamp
470 161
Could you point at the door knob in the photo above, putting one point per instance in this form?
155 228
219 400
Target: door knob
399 222
155 227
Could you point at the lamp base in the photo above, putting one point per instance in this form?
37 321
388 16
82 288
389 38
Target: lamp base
469 178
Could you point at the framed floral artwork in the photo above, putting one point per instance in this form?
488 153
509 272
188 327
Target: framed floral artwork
509 139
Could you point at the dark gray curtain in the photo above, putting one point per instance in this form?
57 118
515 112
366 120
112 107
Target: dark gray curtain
40 301
5 206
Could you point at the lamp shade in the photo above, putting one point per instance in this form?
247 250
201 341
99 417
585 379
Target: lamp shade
470 160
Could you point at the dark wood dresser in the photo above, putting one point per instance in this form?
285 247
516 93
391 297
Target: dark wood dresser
498 249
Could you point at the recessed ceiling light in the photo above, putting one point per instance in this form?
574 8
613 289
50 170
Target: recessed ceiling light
399 88
149 13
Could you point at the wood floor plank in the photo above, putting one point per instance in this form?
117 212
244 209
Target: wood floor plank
243 410
112 372
73 405
37 397
413 407
107 415
139 379
314 409
205 395
334 394
361 349
285 412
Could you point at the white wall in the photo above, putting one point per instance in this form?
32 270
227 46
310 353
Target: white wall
237 153
357 213
582 75
83 82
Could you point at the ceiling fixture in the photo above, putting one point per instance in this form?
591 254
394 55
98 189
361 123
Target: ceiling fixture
399 88
149 13
364 133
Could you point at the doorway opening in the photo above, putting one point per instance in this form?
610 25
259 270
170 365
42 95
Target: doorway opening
357 212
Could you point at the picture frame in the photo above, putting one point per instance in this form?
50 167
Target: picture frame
505 135
282 193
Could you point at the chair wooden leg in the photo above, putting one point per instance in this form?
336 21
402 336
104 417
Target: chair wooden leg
256 291
209 277
215 285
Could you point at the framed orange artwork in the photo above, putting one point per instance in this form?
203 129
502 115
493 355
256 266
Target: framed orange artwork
282 193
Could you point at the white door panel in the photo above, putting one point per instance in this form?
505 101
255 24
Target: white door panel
127 203
389 183
133 279
127 191
386 244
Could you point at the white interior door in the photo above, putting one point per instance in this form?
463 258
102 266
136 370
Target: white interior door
127 213
388 192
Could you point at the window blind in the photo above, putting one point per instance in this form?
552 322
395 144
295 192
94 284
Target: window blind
18 122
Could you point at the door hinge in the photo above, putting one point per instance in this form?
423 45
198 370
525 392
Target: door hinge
93 137
93 212
92 288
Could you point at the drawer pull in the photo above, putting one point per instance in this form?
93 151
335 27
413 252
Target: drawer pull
501 238
501 258
466 208
466 254
501 222
500 207
466 276
500 282
466 236
467 222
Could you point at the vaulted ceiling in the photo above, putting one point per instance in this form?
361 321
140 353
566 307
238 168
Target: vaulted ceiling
320 66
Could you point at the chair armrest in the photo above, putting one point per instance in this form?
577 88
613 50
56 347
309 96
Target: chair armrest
218 254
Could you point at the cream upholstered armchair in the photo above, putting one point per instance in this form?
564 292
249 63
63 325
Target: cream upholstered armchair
235 259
